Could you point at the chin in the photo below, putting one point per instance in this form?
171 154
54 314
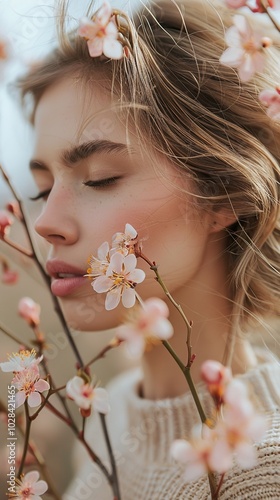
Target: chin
88 314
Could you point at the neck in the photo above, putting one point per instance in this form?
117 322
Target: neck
206 301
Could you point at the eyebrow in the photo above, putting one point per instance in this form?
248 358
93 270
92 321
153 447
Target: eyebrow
81 152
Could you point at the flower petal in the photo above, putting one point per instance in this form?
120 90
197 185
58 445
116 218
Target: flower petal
112 299
34 399
104 13
87 28
130 263
95 47
103 251
195 470
102 284
31 477
232 57
233 38
182 451
128 297
130 231
163 329
41 385
116 264
40 488
220 458
246 455
20 398
136 276
135 346
112 48
101 400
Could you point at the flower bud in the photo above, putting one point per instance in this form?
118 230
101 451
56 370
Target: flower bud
30 311
5 223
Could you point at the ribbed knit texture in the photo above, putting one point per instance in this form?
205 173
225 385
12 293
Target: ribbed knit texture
143 430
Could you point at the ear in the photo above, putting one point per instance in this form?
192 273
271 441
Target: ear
222 218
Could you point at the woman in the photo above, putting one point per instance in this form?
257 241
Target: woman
170 141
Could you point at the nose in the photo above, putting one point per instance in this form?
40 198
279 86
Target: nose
57 223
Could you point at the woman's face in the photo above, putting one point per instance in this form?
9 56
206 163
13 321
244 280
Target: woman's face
93 191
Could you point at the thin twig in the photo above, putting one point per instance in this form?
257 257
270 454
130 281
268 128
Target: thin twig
115 483
26 438
81 438
13 337
216 495
112 344
264 5
18 247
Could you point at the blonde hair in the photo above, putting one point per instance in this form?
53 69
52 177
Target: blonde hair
201 118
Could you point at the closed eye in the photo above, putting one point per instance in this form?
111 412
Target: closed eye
43 194
101 183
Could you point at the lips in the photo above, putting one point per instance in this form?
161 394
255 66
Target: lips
65 277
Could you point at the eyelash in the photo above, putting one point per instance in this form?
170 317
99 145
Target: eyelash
102 182
96 184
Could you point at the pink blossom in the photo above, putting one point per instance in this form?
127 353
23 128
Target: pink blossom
29 385
29 488
5 223
199 455
245 49
101 34
120 280
14 208
9 277
240 427
30 311
148 325
271 99
86 395
19 361
3 50
216 376
125 242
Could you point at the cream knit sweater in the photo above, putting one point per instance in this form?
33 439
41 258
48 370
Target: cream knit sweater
142 431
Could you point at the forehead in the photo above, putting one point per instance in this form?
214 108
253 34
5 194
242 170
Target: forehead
68 114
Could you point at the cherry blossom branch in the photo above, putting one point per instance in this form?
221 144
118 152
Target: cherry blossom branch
42 465
18 247
187 374
81 438
115 483
36 454
265 9
154 267
46 278
112 344
216 494
26 438
9 334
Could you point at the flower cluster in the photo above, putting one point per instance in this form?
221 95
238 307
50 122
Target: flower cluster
27 381
29 488
246 50
87 396
102 34
147 325
238 427
114 270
